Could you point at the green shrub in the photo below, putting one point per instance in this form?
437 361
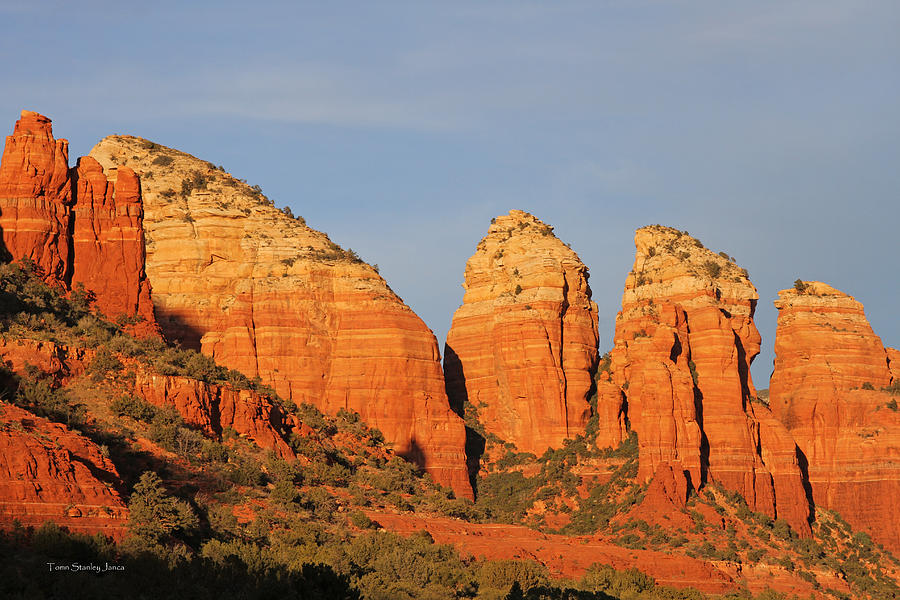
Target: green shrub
154 514
39 393
134 407
712 268
284 492
359 520
501 575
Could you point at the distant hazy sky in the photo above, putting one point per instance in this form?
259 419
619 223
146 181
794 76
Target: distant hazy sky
770 130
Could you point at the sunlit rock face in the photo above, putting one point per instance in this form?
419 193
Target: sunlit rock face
262 293
684 342
76 226
49 473
523 346
830 369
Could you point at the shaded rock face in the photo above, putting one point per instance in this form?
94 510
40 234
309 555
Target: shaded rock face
830 368
262 293
77 227
522 348
49 473
684 342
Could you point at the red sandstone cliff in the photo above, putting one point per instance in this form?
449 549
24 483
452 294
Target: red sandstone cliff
48 473
684 342
35 195
826 389
523 345
212 408
108 241
77 227
263 293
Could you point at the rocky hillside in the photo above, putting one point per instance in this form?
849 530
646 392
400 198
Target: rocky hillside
523 346
834 389
260 292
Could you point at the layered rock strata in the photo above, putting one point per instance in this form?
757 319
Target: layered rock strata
522 348
213 408
108 242
830 369
73 224
36 196
262 293
209 407
49 473
684 342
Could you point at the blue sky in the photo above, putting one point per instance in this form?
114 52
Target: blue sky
770 130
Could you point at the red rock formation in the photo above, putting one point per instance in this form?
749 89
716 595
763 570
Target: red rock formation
35 194
611 413
894 364
684 342
48 473
108 242
263 293
76 227
825 355
666 498
213 408
523 346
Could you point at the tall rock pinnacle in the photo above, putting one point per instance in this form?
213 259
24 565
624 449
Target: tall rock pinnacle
523 345
684 342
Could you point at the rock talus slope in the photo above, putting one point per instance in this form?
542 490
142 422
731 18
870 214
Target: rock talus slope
684 342
75 225
826 388
523 346
261 292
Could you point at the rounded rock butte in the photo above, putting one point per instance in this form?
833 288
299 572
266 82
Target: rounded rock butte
828 390
522 348
260 292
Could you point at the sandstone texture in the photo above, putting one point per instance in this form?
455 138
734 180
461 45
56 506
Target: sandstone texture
108 242
213 408
666 498
826 388
36 195
49 473
523 346
893 363
76 226
684 342
262 293
209 407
